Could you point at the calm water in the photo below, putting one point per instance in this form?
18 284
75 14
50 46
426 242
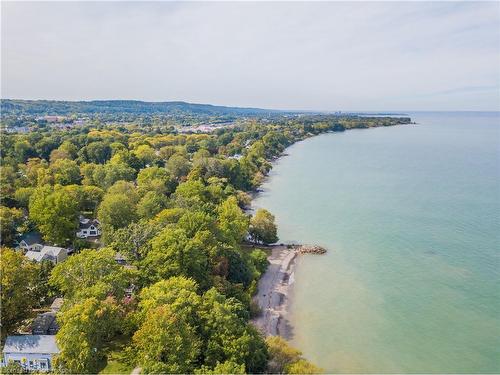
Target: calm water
411 218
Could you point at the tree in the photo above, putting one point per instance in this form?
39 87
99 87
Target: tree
178 166
22 196
55 212
228 367
151 204
146 155
178 292
262 227
174 254
92 197
10 220
91 273
133 241
155 179
259 259
18 277
116 211
166 343
86 328
232 222
65 171
97 152
227 335
13 368
303 366
286 359
126 188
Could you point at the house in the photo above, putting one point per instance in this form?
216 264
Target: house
31 241
32 352
51 253
57 304
88 228
45 324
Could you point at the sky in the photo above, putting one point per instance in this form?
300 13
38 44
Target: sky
349 56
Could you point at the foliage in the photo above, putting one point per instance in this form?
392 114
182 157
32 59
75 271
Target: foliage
82 341
55 211
10 220
262 227
285 359
166 343
18 277
91 273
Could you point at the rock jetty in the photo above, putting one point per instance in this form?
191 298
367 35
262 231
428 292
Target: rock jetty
311 249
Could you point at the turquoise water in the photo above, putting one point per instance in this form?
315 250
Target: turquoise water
411 218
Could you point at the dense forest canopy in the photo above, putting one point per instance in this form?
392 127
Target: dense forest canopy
174 208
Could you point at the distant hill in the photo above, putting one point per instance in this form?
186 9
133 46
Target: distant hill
56 107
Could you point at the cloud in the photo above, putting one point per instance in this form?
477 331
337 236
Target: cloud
289 55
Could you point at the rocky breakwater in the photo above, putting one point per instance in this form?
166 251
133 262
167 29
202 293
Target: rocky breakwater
310 249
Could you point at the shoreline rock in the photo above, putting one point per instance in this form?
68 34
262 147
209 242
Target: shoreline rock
310 249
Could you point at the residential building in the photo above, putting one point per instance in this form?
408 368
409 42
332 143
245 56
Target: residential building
52 253
45 324
32 352
31 241
88 228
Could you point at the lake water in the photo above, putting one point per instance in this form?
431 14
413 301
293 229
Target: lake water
411 218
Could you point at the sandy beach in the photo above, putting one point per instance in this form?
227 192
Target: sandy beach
273 293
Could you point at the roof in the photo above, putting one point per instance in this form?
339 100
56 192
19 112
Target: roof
47 252
86 223
31 344
31 238
43 322
57 304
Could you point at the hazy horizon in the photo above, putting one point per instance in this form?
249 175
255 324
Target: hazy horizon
397 57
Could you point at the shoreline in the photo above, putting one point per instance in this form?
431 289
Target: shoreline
273 292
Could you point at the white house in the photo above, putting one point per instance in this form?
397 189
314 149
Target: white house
32 352
51 253
88 228
31 241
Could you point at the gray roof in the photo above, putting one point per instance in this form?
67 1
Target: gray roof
31 344
44 323
88 223
31 238
57 304
47 252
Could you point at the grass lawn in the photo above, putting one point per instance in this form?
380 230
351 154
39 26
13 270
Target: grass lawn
116 363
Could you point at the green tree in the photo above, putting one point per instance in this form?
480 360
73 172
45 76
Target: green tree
155 179
285 359
116 211
10 220
97 152
303 366
166 343
86 328
65 171
232 221
151 204
227 335
262 227
178 166
174 254
18 277
55 212
91 273
178 292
